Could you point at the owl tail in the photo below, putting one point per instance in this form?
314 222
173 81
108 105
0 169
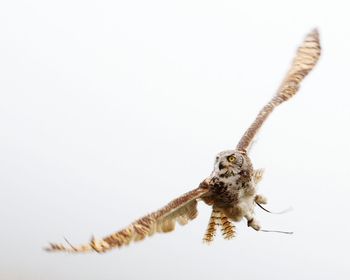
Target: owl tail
218 219
227 227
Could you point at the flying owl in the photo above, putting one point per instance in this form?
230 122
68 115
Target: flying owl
230 189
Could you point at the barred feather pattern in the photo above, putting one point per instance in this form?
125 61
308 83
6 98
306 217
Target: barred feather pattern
214 221
304 61
181 210
227 228
218 220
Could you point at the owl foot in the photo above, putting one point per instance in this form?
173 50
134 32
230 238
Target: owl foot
260 199
254 224
257 175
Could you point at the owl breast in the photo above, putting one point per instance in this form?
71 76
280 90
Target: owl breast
230 189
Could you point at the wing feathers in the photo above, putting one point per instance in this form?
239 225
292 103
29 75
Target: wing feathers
304 61
181 210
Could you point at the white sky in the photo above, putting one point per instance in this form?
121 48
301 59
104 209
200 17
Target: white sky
109 109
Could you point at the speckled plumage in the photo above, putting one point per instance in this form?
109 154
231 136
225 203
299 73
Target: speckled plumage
231 188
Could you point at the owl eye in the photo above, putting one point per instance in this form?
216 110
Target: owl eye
231 159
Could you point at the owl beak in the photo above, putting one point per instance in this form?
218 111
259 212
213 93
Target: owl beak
221 166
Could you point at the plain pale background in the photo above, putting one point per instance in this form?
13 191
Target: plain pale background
109 109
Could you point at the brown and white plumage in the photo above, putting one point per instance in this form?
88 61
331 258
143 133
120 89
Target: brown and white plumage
231 188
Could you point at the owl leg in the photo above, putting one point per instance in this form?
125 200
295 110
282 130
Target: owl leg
260 199
252 221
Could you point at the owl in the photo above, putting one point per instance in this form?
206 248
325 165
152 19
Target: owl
231 188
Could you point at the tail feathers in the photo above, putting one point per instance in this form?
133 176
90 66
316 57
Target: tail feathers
227 227
219 220
212 227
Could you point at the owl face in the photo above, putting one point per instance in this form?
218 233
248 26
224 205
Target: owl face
232 161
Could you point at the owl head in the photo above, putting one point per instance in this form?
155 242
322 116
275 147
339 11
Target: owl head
231 160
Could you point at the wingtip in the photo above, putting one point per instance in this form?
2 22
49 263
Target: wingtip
315 30
47 249
315 34
53 247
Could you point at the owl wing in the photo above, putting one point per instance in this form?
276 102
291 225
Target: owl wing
304 61
181 210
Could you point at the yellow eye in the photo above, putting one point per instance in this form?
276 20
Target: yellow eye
231 159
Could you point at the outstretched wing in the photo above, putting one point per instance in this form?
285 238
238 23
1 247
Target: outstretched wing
181 210
304 61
